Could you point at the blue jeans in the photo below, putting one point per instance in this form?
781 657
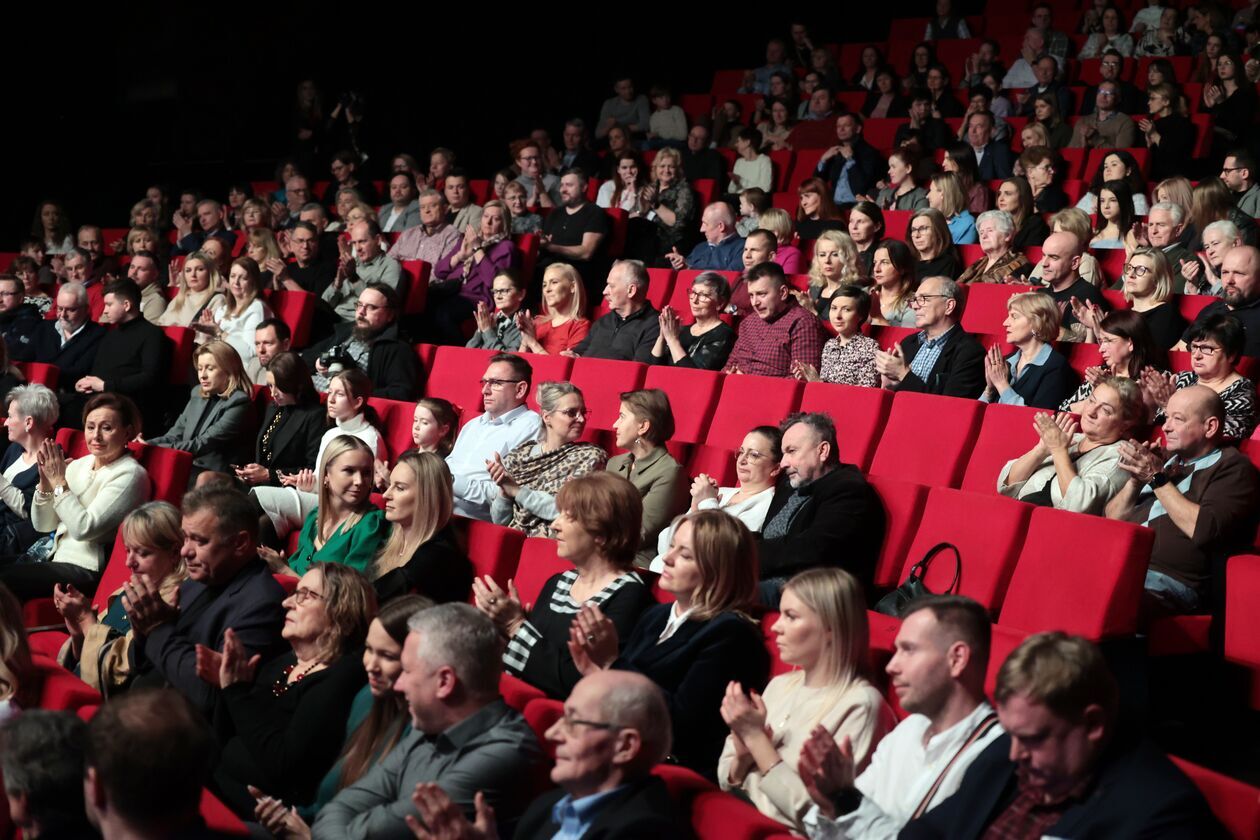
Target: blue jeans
1172 594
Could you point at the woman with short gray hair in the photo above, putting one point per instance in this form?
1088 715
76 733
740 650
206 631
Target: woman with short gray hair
32 413
996 230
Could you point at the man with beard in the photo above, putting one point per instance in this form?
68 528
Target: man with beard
1240 297
372 343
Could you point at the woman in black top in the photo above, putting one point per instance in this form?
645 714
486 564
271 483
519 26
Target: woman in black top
274 721
292 425
421 554
598 531
1015 197
1169 135
1231 100
707 341
1040 166
934 247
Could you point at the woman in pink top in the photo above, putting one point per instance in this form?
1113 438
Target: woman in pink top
561 325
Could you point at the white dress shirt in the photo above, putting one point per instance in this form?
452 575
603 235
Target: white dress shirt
751 511
477 442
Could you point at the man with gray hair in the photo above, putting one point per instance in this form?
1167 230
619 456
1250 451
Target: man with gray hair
629 331
433 237
722 248
465 739
210 221
615 728
41 754
1164 226
940 358
71 341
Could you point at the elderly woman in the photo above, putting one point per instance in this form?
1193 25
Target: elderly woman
756 469
595 531
275 719
532 474
670 200
902 193
523 221
1000 263
706 342
32 414
82 501
422 552
562 324
835 265
866 228
1205 273
895 283
1215 345
1015 197
1075 222
946 194
217 423
644 423
1035 374
1040 164
1148 280
99 647
849 357
1126 348
695 647
1076 468
928 233
822 632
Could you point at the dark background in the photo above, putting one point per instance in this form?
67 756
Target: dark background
104 102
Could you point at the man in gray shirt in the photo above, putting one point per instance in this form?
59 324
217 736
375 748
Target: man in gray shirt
465 737
369 264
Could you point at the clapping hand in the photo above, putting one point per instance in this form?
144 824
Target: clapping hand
303 480
1056 431
1141 460
744 713
73 606
483 317
891 365
703 487
996 372
442 819
826 768
500 476
1159 386
1096 372
145 607
804 371
593 641
503 608
52 465
669 324
1088 313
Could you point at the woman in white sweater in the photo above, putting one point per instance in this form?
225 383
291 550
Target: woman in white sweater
822 630
239 313
83 501
752 168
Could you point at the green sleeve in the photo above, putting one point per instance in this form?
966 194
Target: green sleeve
305 556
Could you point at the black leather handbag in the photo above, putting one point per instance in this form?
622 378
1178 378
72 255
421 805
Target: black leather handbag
895 602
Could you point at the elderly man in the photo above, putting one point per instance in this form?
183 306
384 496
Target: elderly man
1240 296
1065 767
1197 495
80 268
271 338
626 109
1239 173
1021 75
615 728
993 158
782 334
937 671
228 588
71 341
371 341
403 211
1106 128
433 237
506 423
90 239
143 271
823 512
149 757
41 754
297 194
574 232
1165 224
629 330
462 211
852 166
701 163
1060 270
464 738
370 264
940 358
722 248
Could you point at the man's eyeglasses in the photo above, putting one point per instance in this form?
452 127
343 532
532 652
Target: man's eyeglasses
502 292
496 384
369 307
570 723
922 300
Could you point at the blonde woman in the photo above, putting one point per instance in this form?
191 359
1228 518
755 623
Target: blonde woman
945 193
822 630
1076 222
199 286
241 311
562 324
217 424
787 255
19 683
100 645
262 248
835 264
422 553
142 238
1035 374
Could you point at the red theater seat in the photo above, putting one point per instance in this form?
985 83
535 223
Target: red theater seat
180 372
539 562
296 309
37 373
1006 432
456 376
494 550
903 506
927 439
985 307
745 402
1236 804
694 391
859 414
60 690
602 382
417 272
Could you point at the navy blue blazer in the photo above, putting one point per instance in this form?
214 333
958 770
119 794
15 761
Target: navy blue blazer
1046 386
998 162
693 668
642 808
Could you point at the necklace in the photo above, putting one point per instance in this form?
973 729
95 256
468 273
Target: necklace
282 685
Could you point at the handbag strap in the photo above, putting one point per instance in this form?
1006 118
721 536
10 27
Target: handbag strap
982 729
919 570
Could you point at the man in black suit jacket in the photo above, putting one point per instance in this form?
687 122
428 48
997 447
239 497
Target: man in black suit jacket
993 158
953 364
1063 769
823 512
852 159
616 727
72 340
229 587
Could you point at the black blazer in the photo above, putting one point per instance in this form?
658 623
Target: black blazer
1045 386
841 524
959 372
642 809
295 444
998 161
693 668
215 431
75 359
868 167
18 534
1138 792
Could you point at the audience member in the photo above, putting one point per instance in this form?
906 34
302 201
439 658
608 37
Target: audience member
291 427
645 422
941 358
1040 165
946 195
849 357
463 280
783 331
722 248
626 109
706 342
671 202
1215 346
902 192
373 343
1015 196
574 233
996 232
20 683
816 211
1240 297
403 211
852 166
41 754
778 222
498 328
314 266
1060 271
630 329
70 342
562 325
1035 374
462 212
700 161
431 236
31 413
1239 173
200 288
1126 348
210 222
892 271
19 321
1106 127
369 266
935 253
577 154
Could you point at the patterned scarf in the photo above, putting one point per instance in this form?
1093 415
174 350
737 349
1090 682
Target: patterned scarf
547 472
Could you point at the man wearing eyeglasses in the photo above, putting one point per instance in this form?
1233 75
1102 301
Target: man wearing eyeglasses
432 237
1239 174
1129 100
372 342
1106 128
18 320
1240 297
940 358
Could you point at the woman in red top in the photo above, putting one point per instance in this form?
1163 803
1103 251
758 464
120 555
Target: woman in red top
562 324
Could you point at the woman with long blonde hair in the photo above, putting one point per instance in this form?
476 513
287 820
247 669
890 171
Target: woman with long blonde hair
562 323
200 288
19 684
835 264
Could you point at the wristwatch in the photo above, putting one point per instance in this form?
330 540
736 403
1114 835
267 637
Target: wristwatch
1159 480
60 490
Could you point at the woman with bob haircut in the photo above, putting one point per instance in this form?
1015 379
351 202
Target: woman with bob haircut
1075 466
822 632
422 553
695 647
644 423
1035 374
99 647
706 342
562 324
30 418
1215 345
1148 287
217 423
596 530
945 193
274 719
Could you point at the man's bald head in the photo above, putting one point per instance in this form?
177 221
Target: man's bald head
1240 275
717 222
1194 421
1199 401
1065 242
635 702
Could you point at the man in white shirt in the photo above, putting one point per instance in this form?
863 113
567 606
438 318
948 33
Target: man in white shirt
506 424
937 670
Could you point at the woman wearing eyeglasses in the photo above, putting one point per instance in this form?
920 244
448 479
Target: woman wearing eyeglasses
707 341
532 474
1148 287
1039 165
1215 345
276 718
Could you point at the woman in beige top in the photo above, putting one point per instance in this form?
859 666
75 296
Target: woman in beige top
822 630
643 424
199 284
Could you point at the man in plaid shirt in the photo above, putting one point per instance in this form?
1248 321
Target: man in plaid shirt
778 332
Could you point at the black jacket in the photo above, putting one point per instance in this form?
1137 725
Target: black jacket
841 524
998 162
78 355
18 328
959 372
438 569
868 167
1137 792
628 339
392 364
643 808
295 442
132 358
